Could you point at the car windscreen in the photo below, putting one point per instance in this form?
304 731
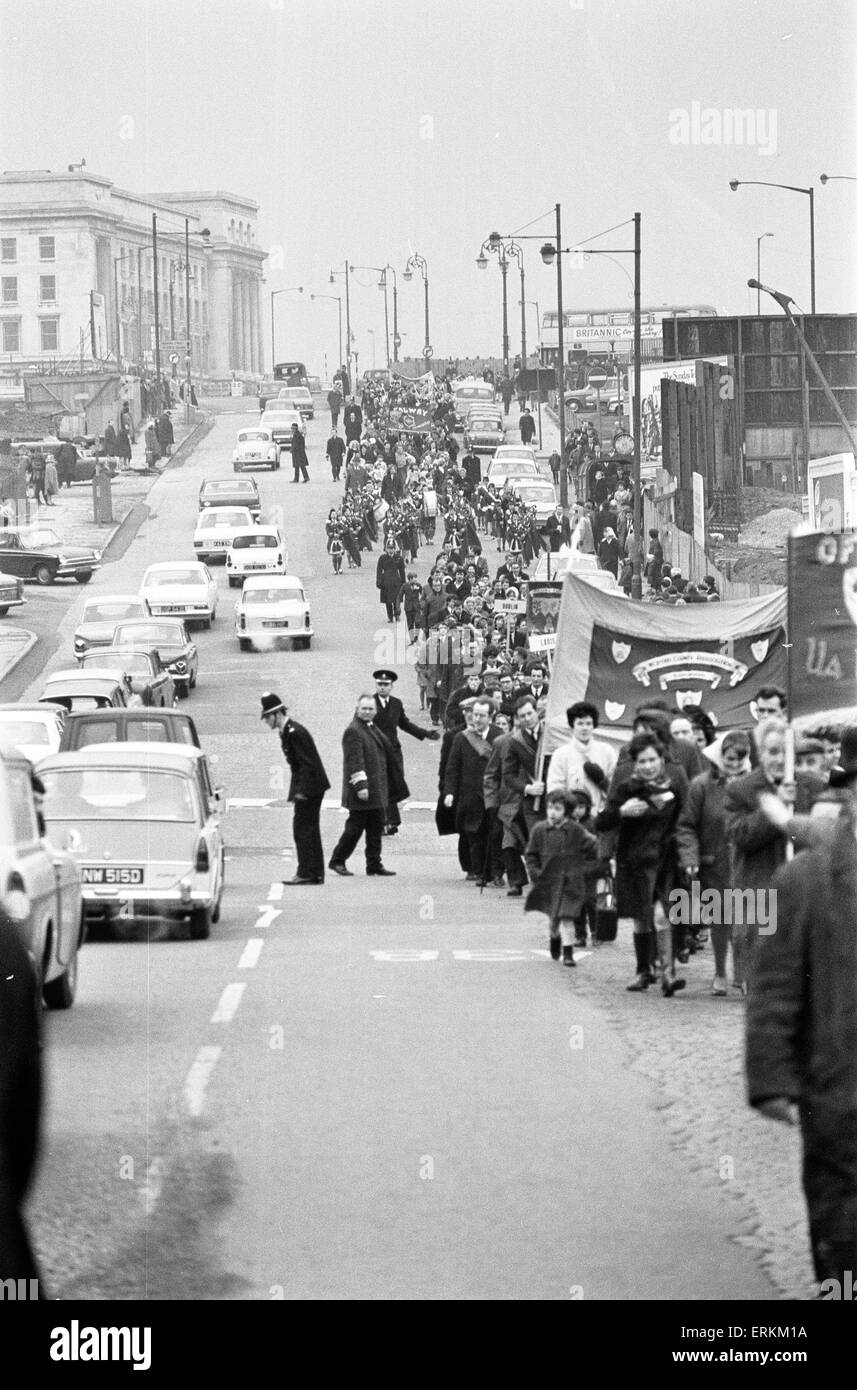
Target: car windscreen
137 663
161 579
99 612
146 729
33 538
259 597
513 468
157 633
221 517
232 487
117 793
535 494
261 542
253 437
16 731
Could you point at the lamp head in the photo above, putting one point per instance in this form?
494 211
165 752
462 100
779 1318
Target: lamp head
408 274
482 260
494 239
331 281
548 253
206 233
734 184
822 178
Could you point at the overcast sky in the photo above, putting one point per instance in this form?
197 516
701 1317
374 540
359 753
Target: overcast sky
371 128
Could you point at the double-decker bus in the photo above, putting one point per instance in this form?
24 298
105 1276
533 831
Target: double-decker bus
606 336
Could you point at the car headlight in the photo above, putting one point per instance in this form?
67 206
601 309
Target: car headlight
63 559
79 644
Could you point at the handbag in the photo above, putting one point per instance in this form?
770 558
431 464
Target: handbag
606 917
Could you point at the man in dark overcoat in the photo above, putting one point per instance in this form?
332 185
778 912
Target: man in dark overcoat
308 785
802 1031
464 789
370 781
390 718
521 794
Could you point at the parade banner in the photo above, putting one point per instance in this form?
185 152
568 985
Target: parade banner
618 655
543 601
822 604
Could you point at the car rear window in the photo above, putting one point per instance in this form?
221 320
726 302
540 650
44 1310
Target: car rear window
222 517
255 543
161 578
261 596
15 731
117 793
112 612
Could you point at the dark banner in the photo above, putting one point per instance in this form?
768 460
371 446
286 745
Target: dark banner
822 607
543 600
722 676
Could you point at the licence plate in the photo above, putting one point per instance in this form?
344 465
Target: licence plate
170 608
115 874
270 622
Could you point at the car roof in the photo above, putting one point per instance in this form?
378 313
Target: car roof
113 598
275 581
173 565
69 673
258 529
218 511
35 707
125 713
221 484
150 621
131 753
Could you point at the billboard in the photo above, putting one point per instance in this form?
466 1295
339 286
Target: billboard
822 607
830 483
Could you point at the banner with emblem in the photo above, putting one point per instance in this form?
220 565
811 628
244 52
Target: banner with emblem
618 654
822 574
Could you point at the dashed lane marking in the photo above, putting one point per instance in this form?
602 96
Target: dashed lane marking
490 954
268 914
275 893
251 953
198 1078
228 1004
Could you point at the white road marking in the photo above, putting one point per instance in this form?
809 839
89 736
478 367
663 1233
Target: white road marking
275 893
493 954
228 1004
198 1077
268 915
251 953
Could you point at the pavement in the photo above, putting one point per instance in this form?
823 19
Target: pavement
386 1090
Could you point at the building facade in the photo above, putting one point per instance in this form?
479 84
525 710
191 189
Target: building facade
77 277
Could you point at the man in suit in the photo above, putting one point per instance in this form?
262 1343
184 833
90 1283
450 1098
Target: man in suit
370 781
390 717
464 788
521 793
308 785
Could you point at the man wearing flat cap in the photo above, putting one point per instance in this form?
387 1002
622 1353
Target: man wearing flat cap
390 717
802 1023
308 785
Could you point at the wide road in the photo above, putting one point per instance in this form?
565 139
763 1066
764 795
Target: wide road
361 1090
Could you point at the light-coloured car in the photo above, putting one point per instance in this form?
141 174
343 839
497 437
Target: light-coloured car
34 730
272 610
100 616
42 893
254 448
215 528
299 398
143 822
513 470
279 419
518 453
538 493
169 638
11 593
141 671
78 690
470 393
255 550
186 590
483 433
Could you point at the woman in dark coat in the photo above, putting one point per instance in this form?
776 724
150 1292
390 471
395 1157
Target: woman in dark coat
608 552
645 808
299 458
123 444
390 579
434 608
164 429
654 560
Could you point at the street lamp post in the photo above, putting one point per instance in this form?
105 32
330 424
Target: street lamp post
837 178
396 338
759 240
535 304
159 389
382 285
347 273
289 289
417 262
337 299
735 184
503 250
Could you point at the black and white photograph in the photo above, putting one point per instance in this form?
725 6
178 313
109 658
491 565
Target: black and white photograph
552 309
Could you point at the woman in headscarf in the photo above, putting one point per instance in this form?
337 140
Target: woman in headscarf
608 552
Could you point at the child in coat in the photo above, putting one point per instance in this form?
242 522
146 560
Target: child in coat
558 853
580 810
335 547
411 599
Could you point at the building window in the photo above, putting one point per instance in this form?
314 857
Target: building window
10 289
47 289
47 248
8 249
11 335
50 335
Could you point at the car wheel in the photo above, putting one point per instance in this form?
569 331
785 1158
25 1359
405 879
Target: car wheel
233 583
84 577
43 574
182 692
205 623
60 993
244 644
3 611
200 923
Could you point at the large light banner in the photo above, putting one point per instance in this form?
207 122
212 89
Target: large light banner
822 573
619 654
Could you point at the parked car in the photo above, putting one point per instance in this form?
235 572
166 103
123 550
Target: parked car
231 492
279 418
11 593
143 822
42 887
127 726
483 433
141 671
187 591
82 690
169 637
253 549
254 447
299 398
215 528
272 609
100 616
37 552
34 730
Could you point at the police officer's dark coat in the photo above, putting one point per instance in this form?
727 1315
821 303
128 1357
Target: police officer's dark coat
309 778
390 721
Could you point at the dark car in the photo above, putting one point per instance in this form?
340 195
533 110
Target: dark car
231 492
37 552
142 670
128 726
169 638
